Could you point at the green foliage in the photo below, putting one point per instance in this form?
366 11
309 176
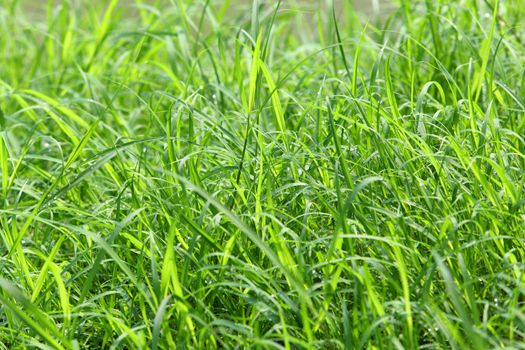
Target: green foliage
268 175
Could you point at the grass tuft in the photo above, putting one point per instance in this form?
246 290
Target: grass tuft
265 174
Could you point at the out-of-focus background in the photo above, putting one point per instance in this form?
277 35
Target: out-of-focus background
370 8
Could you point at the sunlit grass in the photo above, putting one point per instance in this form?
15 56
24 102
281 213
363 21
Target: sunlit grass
205 174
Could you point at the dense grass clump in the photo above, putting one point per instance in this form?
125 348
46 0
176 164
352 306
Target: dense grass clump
268 175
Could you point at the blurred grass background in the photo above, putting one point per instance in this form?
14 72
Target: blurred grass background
373 8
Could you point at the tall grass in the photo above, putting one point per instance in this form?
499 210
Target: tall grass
269 175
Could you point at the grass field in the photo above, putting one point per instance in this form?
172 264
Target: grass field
203 174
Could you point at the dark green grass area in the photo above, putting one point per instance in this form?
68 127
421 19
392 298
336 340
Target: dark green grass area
273 175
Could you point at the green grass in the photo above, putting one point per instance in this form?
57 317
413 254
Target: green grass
271 175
